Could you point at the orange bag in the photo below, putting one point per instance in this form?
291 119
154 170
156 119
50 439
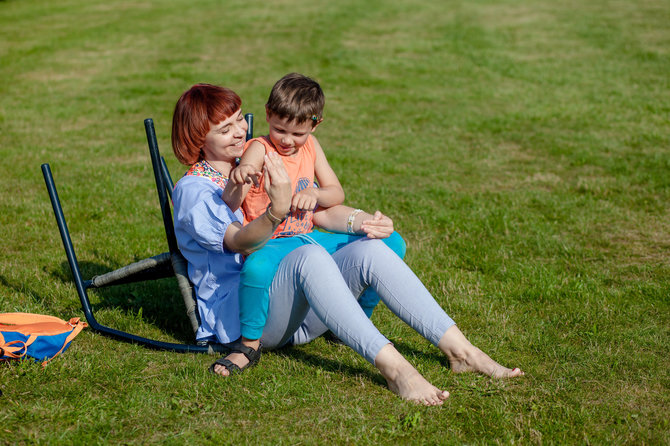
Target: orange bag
35 335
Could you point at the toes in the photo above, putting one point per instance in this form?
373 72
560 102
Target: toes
221 370
436 398
509 373
441 396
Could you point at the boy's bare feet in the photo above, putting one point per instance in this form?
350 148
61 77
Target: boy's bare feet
465 357
405 381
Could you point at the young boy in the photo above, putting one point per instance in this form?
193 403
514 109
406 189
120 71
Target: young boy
293 111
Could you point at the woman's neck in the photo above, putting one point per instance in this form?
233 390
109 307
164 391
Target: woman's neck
224 167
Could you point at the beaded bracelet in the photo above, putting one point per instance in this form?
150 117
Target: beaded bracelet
350 220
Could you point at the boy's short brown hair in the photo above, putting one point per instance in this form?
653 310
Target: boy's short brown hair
297 98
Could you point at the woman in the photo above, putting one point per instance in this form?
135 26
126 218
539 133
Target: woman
312 291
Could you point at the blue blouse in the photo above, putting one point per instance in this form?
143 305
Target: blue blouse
201 220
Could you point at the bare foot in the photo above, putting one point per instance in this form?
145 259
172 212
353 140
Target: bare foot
239 359
465 357
405 381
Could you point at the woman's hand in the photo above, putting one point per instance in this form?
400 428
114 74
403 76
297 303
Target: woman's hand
277 184
380 226
254 235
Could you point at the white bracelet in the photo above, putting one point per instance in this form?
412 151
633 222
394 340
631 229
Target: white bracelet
276 221
350 221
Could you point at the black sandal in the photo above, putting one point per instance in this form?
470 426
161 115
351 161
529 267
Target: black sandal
252 355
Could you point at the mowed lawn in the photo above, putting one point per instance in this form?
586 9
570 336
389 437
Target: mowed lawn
522 149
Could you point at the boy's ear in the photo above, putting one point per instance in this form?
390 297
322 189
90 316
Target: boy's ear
317 124
267 114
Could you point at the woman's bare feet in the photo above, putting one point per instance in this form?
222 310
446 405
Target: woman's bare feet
465 357
405 381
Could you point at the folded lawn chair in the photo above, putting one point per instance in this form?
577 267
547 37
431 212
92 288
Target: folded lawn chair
167 264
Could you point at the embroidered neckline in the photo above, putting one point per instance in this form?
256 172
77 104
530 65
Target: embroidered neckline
204 169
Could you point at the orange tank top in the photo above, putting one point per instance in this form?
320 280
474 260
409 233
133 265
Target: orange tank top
300 168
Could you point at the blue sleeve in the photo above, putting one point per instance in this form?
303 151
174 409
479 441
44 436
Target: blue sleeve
200 213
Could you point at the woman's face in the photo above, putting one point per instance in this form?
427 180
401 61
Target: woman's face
225 140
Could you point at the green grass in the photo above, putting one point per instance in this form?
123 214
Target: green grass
521 147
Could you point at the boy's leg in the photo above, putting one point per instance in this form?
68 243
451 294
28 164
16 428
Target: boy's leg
257 273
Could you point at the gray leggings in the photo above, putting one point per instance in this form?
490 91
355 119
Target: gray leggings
312 292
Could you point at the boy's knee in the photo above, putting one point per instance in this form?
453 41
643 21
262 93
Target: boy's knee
397 244
258 270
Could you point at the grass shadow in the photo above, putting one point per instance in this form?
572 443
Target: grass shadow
22 288
327 364
406 349
158 301
409 350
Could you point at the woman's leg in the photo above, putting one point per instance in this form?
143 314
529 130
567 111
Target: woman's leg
257 272
310 266
309 278
370 263
368 299
312 327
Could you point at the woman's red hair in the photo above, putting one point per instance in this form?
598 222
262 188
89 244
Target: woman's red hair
200 107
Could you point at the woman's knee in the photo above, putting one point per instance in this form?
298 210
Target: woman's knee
310 252
374 249
309 257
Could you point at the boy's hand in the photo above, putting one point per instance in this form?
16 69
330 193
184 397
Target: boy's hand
305 200
380 226
245 173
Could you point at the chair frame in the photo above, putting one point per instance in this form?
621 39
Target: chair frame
167 264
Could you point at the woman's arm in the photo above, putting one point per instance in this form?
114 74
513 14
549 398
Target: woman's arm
250 238
354 221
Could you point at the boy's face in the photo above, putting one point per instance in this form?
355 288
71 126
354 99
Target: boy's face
225 140
288 137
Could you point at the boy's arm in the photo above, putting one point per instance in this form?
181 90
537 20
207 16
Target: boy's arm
346 219
244 175
253 236
329 192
